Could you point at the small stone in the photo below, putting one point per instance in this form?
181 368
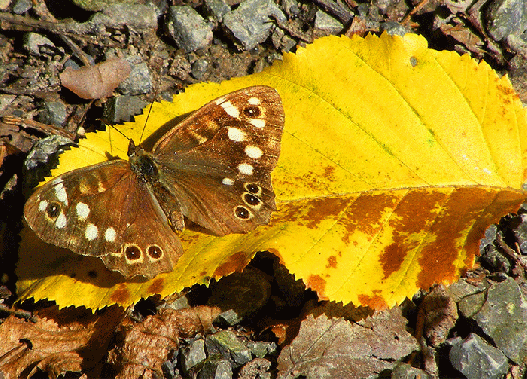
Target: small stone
216 369
261 349
489 238
21 6
194 354
199 68
257 368
327 23
33 42
180 68
228 318
54 113
476 359
43 149
250 23
394 28
406 371
470 305
121 108
6 101
228 346
188 29
506 18
217 9
138 82
4 4
503 317
494 259
134 16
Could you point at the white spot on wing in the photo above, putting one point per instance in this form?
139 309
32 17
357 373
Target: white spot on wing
219 100
42 205
235 134
253 151
109 235
227 181
245 169
60 192
61 221
82 211
231 109
257 122
254 101
91 232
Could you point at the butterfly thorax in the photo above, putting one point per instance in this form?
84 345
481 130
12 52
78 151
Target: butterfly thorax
142 164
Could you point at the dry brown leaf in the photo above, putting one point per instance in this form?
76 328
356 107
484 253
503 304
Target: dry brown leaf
143 347
334 348
57 343
98 81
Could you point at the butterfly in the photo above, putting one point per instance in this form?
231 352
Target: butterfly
213 168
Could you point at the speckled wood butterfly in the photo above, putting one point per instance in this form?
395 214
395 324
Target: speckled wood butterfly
213 168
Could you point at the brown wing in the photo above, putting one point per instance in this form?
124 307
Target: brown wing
218 161
103 210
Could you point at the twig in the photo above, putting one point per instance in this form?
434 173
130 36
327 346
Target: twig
47 129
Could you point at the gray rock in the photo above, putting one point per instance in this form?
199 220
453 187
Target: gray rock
406 371
4 4
228 318
251 23
507 17
489 238
476 359
134 16
21 6
6 101
394 28
194 354
54 113
503 317
138 82
43 149
261 349
33 42
324 21
121 108
188 29
470 305
199 68
216 369
217 9
228 346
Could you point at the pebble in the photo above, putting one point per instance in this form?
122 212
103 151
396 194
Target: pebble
43 149
503 317
327 23
134 16
251 23
194 354
21 6
476 359
33 42
217 9
138 82
228 346
121 108
188 29
507 17
54 113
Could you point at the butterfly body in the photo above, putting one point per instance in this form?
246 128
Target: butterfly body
214 169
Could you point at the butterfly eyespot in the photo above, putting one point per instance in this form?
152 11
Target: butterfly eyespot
251 111
242 212
253 188
133 253
53 210
154 252
250 199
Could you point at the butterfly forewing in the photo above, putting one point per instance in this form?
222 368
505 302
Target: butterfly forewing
103 210
223 182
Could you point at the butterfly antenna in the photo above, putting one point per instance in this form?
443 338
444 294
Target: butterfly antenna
146 121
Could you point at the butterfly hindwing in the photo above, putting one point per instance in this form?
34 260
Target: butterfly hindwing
102 210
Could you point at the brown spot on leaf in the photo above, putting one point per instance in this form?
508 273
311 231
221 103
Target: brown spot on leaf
235 262
317 284
412 219
121 294
375 302
157 285
332 262
324 208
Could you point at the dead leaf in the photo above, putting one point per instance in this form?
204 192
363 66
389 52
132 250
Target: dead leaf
71 340
143 347
98 81
334 348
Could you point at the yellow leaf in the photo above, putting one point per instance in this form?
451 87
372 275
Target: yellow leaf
394 160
